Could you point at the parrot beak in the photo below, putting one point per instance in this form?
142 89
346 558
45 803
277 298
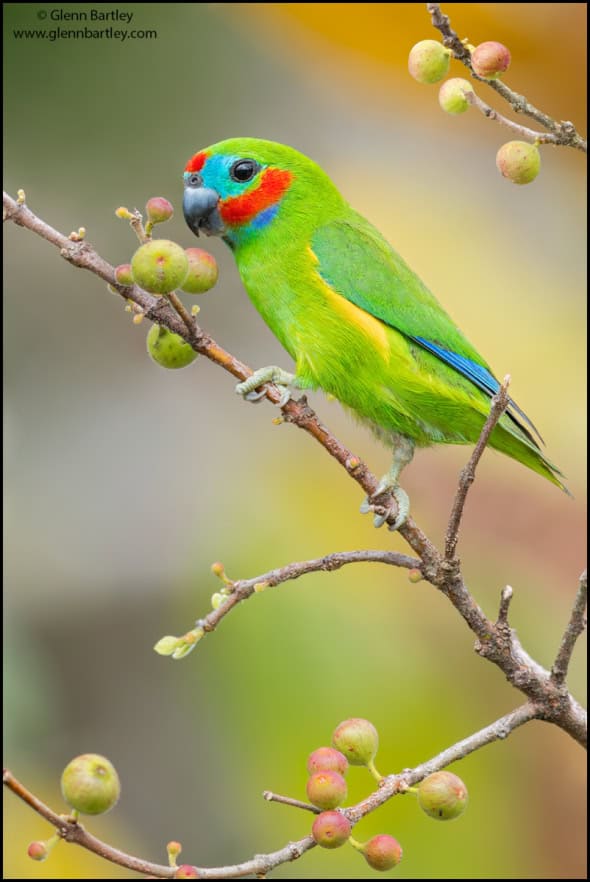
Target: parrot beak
199 206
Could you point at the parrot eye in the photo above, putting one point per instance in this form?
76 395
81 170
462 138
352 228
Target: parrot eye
195 180
244 170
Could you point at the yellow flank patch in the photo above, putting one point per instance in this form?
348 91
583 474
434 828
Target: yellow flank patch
353 315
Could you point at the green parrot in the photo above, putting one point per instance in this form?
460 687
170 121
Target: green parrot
356 320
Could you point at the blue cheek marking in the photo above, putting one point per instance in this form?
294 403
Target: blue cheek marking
265 217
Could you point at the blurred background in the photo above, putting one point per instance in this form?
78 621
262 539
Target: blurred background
124 482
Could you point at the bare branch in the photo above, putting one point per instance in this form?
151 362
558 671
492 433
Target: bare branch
505 600
563 133
245 588
499 404
575 627
262 864
287 800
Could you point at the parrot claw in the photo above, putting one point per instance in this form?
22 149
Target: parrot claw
402 505
277 376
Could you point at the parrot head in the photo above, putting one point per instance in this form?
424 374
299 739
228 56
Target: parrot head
241 187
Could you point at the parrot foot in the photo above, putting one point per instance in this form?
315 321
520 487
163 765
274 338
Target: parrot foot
402 504
270 374
403 451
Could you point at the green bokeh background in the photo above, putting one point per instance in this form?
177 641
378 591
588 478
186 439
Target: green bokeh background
124 482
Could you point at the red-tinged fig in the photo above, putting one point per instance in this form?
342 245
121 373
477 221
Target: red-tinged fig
382 852
38 851
327 759
90 784
331 829
429 61
123 274
443 796
519 161
490 60
202 271
159 266
452 95
358 740
326 790
168 349
158 210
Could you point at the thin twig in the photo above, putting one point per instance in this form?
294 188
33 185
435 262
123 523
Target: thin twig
521 131
564 132
287 800
575 627
244 588
505 600
499 404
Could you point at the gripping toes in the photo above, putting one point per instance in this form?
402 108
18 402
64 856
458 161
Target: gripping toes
270 374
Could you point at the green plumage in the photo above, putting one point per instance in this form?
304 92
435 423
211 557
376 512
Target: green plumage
354 317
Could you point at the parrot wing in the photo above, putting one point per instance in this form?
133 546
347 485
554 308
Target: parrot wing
360 265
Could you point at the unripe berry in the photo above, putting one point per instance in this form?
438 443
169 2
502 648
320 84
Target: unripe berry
158 210
202 271
123 274
451 96
327 759
168 349
490 60
38 851
429 61
331 829
185 871
358 740
90 784
382 852
159 266
519 161
443 796
415 576
327 790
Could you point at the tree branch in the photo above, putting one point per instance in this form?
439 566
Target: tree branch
575 627
498 405
261 864
563 133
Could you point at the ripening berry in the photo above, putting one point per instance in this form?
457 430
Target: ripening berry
358 740
327 790
123 274
451 96
90 784
38 851
185 871
490 60
168 349
158 210
429 61
159 266
327 759
415 576
202 271
382 852
331 829
519 161
443 796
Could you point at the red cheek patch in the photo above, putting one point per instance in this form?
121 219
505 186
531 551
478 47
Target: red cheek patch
238 210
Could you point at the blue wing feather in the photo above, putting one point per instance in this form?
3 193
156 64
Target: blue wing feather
479 376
